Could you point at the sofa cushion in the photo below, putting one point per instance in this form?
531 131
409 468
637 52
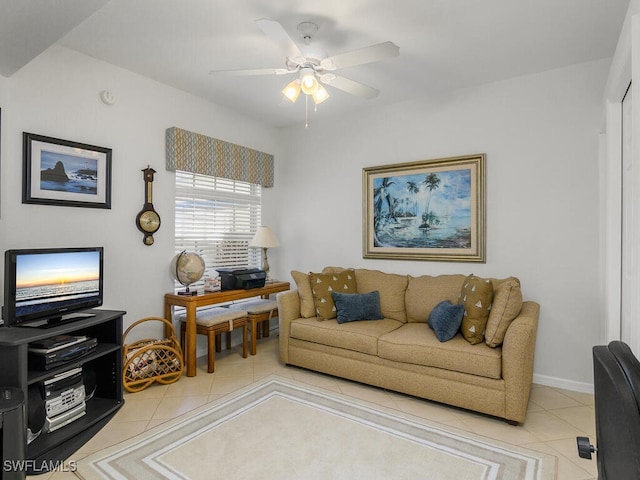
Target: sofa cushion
476 296
392 288
356 336
426 291
307 307
322 284
445 320
414 343
352 307
507 303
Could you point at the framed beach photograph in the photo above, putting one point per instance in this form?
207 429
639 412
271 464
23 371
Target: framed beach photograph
61 172
426 210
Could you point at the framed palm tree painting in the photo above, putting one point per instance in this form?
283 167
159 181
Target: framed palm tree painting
426 210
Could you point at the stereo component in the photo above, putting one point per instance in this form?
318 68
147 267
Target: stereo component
64 398
59 421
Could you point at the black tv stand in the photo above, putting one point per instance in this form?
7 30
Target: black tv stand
55 321
18 370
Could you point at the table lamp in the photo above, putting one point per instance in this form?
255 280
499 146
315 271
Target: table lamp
264 238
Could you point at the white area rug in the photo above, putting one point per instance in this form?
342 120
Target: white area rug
282 429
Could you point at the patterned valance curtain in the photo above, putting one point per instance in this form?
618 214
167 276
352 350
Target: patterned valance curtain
196 153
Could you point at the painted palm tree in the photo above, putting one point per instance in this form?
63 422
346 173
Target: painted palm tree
413 189
430 219
431 182
382 195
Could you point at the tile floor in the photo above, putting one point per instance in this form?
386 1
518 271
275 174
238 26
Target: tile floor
554 419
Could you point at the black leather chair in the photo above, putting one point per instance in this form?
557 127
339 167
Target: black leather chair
616 373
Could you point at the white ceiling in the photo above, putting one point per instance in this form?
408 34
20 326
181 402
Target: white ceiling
444 44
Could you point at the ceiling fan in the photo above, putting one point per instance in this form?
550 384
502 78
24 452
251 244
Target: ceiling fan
312 65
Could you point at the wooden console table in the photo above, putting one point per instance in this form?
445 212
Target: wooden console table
191 304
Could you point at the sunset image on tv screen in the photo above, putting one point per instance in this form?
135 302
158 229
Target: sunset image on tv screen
56 277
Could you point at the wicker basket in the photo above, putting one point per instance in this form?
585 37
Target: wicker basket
151 360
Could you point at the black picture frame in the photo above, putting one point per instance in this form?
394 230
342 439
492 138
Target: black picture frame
65 173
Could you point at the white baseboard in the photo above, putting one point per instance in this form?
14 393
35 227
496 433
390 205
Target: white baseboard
563 383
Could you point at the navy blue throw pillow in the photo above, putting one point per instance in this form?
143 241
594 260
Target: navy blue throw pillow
445 319
357 306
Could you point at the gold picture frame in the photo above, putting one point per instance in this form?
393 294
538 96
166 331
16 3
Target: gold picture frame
427 210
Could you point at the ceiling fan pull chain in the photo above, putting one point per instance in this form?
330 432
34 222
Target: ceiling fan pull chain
306 111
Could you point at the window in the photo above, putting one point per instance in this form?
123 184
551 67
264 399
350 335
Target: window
217 218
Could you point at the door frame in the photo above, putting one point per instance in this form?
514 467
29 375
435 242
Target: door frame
625 66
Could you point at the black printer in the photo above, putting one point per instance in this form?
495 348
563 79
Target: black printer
241 278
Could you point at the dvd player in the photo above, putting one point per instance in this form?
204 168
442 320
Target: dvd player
47 358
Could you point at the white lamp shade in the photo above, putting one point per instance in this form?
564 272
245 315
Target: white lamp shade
308 81
264 238
292 90
320 95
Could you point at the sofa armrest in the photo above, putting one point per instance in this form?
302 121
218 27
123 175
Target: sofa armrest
288 310
518 351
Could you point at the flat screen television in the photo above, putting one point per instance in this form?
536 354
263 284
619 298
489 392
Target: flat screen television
43 287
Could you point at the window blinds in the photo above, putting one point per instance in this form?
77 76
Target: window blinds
217 218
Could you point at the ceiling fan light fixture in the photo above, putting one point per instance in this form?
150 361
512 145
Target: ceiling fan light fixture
320 95
292 90
313 67
308 81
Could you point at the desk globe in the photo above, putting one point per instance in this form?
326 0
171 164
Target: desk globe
187 268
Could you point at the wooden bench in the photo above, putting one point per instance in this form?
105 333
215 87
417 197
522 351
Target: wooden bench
213 322
259 313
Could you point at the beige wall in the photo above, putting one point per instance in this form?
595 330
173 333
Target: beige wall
540 135
57 95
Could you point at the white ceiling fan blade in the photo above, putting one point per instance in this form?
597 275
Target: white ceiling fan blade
253 72
350 86
368 54
279 36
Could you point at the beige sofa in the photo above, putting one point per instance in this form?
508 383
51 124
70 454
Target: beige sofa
401 353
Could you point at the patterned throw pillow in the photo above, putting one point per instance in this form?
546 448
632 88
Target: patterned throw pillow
476 296
322 284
